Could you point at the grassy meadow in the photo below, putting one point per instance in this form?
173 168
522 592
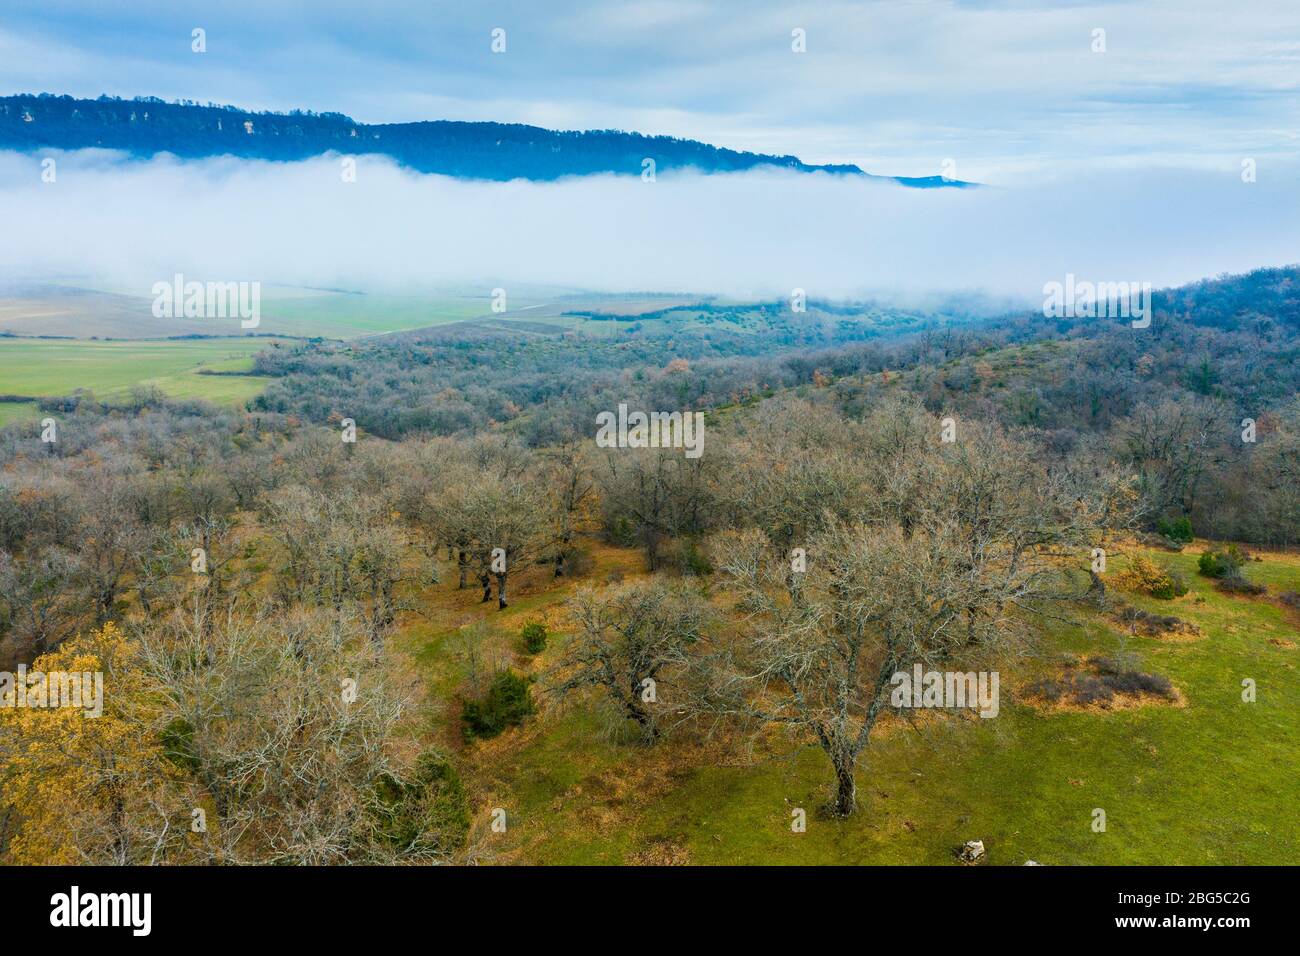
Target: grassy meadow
109 369
125 312
1205 780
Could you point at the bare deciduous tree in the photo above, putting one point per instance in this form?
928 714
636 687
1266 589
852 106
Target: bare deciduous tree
281 724
631 643
945 570
660 492
509 521
571 484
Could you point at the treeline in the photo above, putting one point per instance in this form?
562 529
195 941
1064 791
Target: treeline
499 151
1173 401
463 379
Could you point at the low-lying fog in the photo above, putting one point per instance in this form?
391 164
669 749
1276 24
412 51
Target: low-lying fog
129 223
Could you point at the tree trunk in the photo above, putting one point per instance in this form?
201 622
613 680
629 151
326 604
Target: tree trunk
846 788
649 731
485 579
1098 586
463 562
501 590
794 584
104 605
565 540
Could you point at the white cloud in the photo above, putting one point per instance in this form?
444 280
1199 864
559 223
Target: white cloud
894 86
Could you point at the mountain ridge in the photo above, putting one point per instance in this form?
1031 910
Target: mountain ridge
146 126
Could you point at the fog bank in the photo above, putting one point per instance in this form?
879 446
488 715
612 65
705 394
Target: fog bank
130 223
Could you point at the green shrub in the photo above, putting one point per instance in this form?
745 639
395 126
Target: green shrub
1180 529
508 701
1173 586
178 745
424 813
534 635
692 560
1222 564
621 532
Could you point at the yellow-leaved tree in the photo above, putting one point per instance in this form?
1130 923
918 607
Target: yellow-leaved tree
89 789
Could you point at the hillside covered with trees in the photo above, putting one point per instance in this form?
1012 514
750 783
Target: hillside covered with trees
403 608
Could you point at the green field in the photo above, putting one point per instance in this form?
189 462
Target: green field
1212 781
340 315
17 411
125 313
109 369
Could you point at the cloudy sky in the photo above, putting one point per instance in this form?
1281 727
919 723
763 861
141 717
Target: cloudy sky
1122 165
1005 89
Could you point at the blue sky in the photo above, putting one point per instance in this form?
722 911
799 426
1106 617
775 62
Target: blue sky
1006 90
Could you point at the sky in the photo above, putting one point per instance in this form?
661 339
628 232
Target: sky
1005 90
1124 164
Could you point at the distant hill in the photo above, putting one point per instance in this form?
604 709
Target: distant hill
496 151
